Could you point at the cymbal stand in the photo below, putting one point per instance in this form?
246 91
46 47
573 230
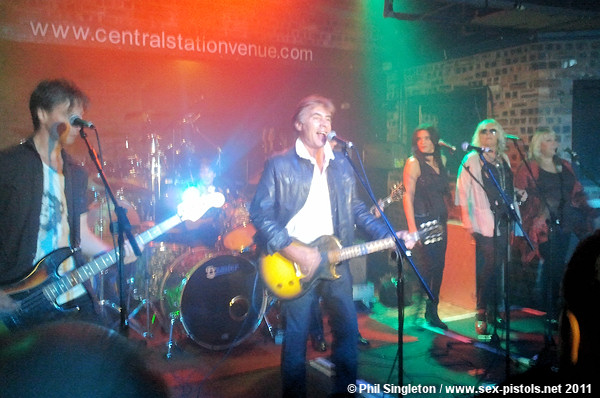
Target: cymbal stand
173 316
155 171
145 303
100 231
275 331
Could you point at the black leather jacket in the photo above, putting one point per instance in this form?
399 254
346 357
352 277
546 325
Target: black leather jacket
283 189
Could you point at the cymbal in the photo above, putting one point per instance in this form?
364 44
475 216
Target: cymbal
129 185
145 116
97 212
190 117
135 185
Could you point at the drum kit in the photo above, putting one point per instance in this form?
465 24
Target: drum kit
209 292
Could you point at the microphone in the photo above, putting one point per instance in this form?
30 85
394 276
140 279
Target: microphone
512 137
468 147
571 153
76 120
443 143
332 136
574 156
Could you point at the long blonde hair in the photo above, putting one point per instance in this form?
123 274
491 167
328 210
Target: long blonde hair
536 141
500 135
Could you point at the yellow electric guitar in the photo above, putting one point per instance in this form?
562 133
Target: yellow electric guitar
285 280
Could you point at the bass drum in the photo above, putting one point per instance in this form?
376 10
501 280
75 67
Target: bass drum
219 298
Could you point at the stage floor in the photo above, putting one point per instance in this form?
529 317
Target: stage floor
430 356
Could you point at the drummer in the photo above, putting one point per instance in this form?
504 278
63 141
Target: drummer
207 229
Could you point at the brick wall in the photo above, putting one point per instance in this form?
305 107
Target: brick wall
529 85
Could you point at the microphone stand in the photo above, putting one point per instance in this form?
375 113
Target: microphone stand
553 226
123 227
575 161
403 252
510 209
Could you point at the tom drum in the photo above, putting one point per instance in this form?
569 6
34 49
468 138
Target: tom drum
240 231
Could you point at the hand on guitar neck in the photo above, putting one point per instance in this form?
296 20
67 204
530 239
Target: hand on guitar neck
7 304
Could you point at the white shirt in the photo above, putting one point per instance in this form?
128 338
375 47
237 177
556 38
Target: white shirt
314 218
54 227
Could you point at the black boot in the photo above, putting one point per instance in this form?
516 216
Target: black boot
431 316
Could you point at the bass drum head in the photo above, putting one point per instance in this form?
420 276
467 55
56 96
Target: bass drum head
221 300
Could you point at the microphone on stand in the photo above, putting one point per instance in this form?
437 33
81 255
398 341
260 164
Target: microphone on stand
332 136
574 156
443 143
76 120
468 147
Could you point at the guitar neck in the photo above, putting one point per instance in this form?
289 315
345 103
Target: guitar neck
336 256
395 196
383 203
87 271
386 201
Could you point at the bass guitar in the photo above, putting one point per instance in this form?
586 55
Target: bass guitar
286 281
36 293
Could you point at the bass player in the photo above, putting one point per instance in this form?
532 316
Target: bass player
43 198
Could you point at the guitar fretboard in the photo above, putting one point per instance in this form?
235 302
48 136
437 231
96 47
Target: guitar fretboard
363 249
87 271
431 232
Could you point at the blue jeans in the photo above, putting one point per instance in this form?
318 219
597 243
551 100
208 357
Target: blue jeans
315 330
338 303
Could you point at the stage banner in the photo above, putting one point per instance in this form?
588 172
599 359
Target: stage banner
199 29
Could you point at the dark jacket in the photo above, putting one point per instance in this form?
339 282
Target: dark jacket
21 189
283 190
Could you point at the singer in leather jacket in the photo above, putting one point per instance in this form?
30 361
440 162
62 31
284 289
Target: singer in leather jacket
283 189
282 193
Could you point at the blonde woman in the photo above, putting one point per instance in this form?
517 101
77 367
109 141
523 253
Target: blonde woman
555 214
484 214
